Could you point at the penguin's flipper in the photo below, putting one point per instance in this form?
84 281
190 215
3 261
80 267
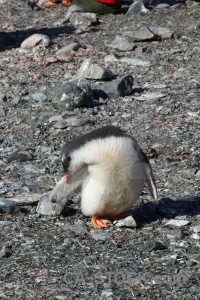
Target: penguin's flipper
149 176
98 222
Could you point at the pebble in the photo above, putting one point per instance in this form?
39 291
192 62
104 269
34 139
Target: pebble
176 223
127 222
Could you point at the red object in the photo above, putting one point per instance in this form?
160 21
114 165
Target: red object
109 1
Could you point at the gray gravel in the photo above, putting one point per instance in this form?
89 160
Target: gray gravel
63 257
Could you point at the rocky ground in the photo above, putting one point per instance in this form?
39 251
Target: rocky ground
63 257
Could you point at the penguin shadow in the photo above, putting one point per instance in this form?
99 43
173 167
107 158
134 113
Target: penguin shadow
165 208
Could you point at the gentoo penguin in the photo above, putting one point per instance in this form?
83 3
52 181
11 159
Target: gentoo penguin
111 169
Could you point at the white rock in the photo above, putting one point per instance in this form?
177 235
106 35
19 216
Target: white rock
196 228
126 222
195 236
135 61
177 223
93 70
150 96
36 40
47 208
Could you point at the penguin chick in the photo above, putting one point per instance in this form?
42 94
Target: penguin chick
111 169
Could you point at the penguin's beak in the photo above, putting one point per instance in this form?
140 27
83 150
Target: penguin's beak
66 176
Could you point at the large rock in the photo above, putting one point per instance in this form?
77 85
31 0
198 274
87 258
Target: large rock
36 40
72 94
93 70
148 33
118 88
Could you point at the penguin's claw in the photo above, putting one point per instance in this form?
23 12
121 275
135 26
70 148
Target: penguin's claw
99 223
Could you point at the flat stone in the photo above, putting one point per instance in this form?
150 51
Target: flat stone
176 223
150 96
26 199
134 61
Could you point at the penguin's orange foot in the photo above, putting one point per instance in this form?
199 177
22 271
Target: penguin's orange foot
49 3
67 2
98 222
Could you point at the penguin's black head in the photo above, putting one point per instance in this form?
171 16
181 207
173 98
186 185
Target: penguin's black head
66 159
